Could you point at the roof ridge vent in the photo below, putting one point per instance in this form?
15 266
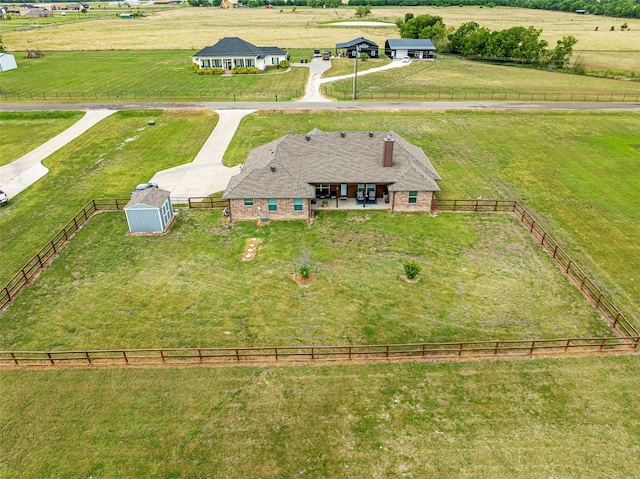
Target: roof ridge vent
342 134
308 137
370 134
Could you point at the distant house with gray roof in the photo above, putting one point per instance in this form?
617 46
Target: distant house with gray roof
232 52
416 48
289 177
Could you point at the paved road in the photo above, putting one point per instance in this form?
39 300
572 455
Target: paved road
300 105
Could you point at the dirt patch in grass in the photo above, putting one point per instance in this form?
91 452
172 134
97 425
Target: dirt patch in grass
303 282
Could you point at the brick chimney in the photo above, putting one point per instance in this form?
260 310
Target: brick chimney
387 154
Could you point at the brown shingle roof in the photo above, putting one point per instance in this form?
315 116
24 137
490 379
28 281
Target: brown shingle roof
301 161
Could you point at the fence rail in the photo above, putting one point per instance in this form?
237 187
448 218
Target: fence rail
612 314
116 96
627 340
587 287
474 205
395 352
443 95
41 259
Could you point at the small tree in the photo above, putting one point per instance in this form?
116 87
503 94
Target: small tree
364 57
303 265
363 11
411 269
2 49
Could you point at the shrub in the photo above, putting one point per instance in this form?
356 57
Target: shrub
411 269
303 265
364 57
245 70
284 64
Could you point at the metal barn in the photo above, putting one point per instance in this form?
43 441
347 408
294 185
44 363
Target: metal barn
149 211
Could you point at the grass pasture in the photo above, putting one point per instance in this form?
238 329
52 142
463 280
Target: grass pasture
483 279
448 75
125 75
41 127
580 171
508 419
107 161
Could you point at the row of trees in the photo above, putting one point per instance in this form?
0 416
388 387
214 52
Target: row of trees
614 8
517 43
520 44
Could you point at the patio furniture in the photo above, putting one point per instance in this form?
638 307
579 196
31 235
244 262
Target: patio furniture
372 195
360 195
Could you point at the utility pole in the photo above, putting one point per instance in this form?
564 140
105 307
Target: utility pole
355 73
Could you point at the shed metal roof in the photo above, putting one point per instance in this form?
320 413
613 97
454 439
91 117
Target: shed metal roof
354 42
411 43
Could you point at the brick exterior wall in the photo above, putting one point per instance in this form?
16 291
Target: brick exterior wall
285 210
400 201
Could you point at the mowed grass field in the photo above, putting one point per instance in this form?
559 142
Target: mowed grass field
41 127
471 80
508 419
106 162
483 279
132 75
580 171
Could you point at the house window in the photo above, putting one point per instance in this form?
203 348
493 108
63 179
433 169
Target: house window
273 204
217 63
248 201
275 61
250 62
239 62
413 197
322 191
297 204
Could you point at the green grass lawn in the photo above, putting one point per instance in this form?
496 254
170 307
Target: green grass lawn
107 161
21 132
448 75
482 279
138 75
507 419
579 171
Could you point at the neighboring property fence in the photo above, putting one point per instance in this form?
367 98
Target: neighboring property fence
444 95
41 259
116 96
384 352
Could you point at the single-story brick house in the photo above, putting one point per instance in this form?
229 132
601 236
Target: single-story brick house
350 48
284 179
416 48
232 52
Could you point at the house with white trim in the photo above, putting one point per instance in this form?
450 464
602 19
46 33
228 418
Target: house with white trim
232 52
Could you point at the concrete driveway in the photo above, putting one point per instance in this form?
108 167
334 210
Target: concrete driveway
23 172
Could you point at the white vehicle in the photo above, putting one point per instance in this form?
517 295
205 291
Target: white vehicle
144 186
4 199
406 59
